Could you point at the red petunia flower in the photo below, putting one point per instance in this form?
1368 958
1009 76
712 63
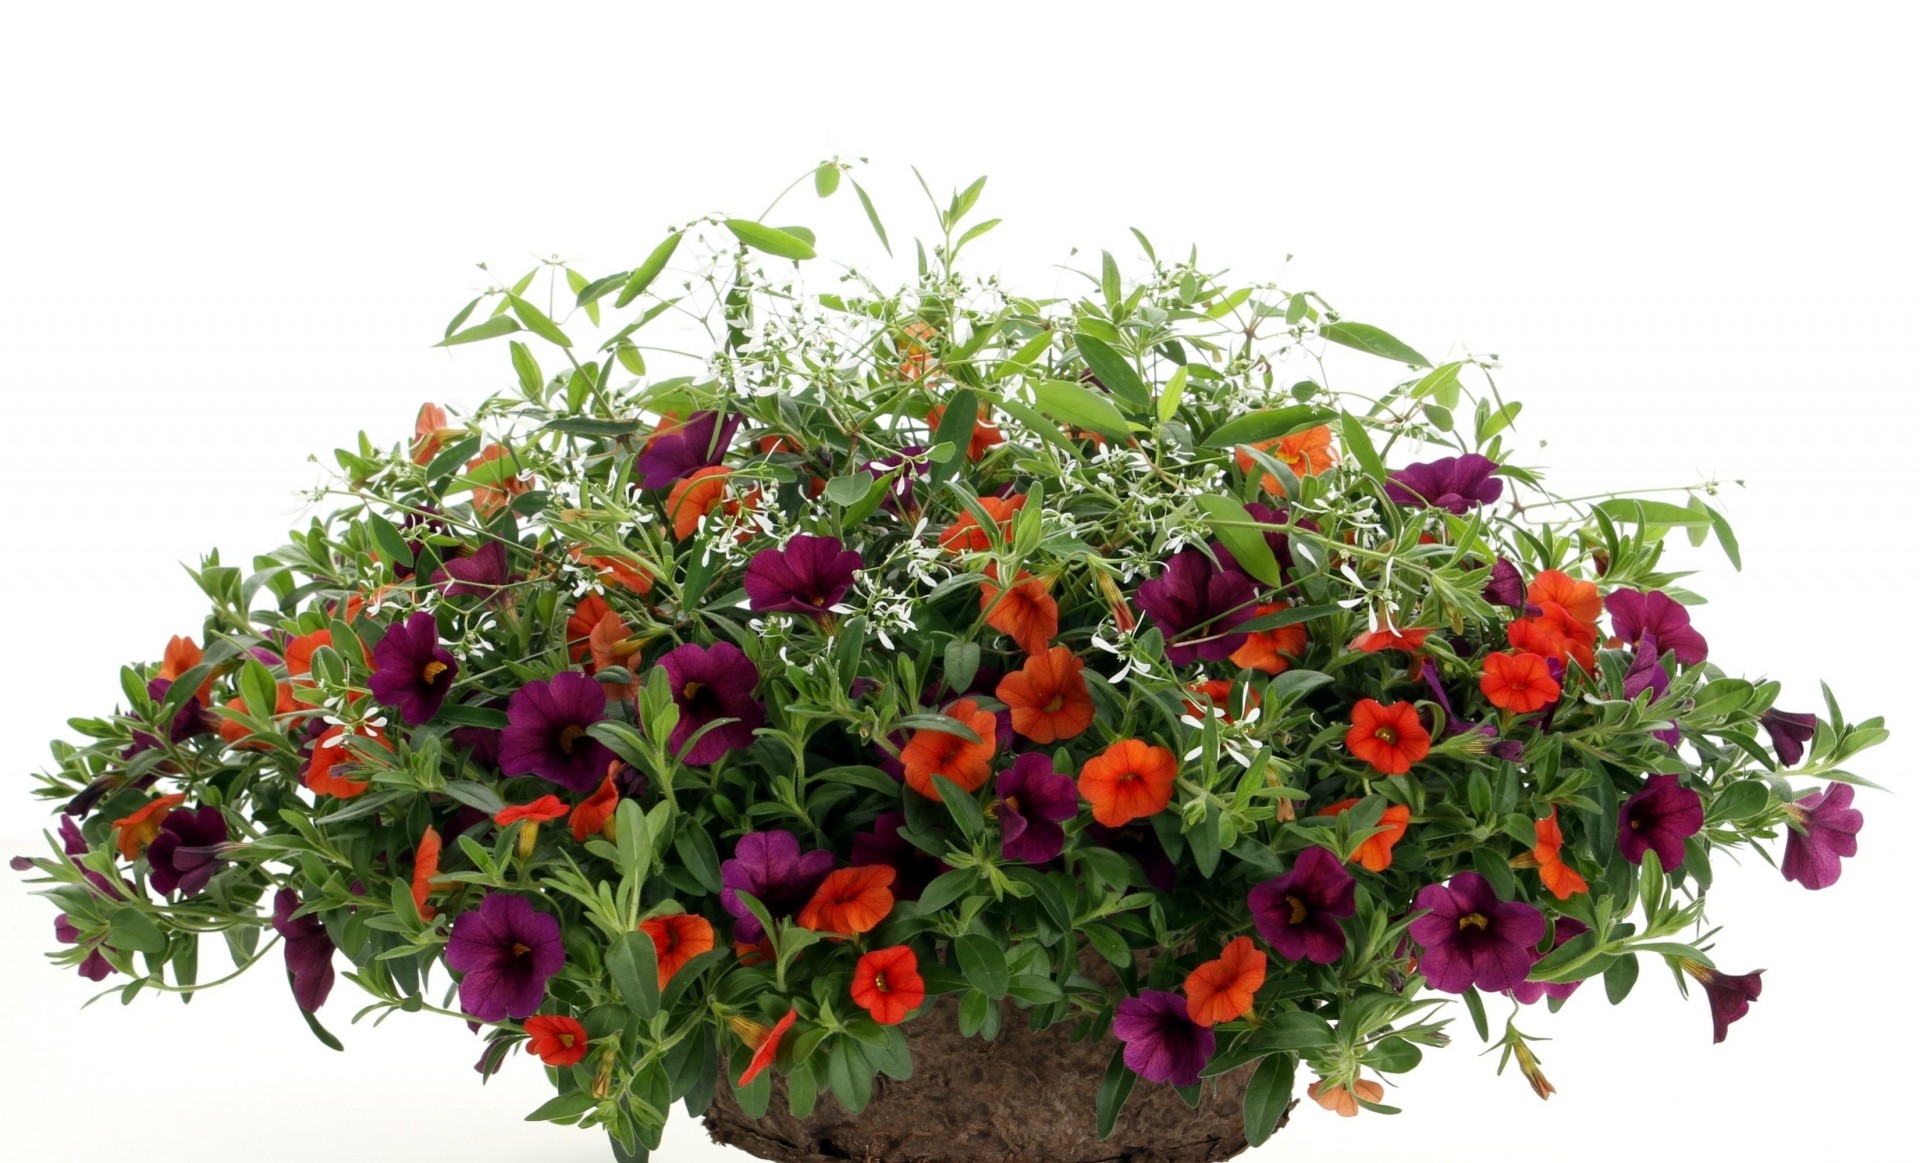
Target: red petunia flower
556 1039
1518 682
677 939
1388 739
887 984
764 1042
931 752
1048 696
1130 780
1222 989
850 900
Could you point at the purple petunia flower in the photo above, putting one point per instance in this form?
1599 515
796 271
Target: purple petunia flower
1827 824
481 575
1504 587
1660 816
711 683
1645 673
188 721
1196 605
506 951
1298 914
187 850
95 967
913 869
1032 800
769 867
679 450
547 736
1655 617
809 576
1453 483
309 951
1470 937
1163 1044
1728 994
1790 733
1527 992
412 671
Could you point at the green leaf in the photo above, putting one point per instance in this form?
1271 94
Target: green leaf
1353 436
984 963
1723 532
1115 371
873 218
1235 529
527 368
1620 977
1370 339
770 239
1393 1056
1072 404
1115 1085
961 805
492 329
1740 801
649 270
826 179
850 490
630 961
1171 394
1267 424
319 1031
1269 1094
1643 512
539 324
1297 1030
564 1107
129 928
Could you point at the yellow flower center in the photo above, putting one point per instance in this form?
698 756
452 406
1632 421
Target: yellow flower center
432 670
1299 910
1474 919
568 734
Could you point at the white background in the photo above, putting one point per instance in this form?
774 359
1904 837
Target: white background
229 236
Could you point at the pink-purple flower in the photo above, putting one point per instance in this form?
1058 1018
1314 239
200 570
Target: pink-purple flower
1162 1043
1469 937
309 950
769 867
505 951
808 576
481 575
1031 800
546 732
1453 483
412 671
1790 732
1654 617
1527 992
1825 827
1728 994
683 448
1299 913
712 684
1660 816
1504 586
1196 604
188 850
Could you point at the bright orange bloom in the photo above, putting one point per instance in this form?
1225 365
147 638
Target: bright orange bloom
677 939
616 570
595 813
1130 780
329 752
916 359
1555 634
490 499
850 900
694 496
181 656
586 615
132 833
1048 696
1407 638
1025 613
966 535
1518 682
539 811
299 653
1272 651
887 984
428 424
1217 691
556 1039
984 436
1335 1098
755 954
1389 739
426 866
1308 453
610 644
763 1042
1580 599
1116 602
1375 853
1222 989
1559 879
930 752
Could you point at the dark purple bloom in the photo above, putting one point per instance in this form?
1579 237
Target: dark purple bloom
547 736
95 967
1032 800
1646 674
309 950
1453 483
913 868
1789 732
1143 844
1163 1043
1298 914
1196 605
481 575
1655 617
1504 587
188 721
412 671
506 951
899 498
188 850
1728 995
682 448
711 683
1527 992
1470 937
1660 816
1827 824
807 577
769 867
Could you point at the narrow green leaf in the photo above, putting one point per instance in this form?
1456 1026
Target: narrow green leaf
492 329
649 270
1269 1094
1370 339
873 217
984 963
1353 436
1266 424
1072 404
1235 528
770 239
532 318
1115 371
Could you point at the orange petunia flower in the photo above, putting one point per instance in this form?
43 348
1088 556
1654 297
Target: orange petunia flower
1335 1098
586 615
615 570
1518 682
677 939
1222 989
1580 599
887 984
299 653
984 436
930 752
1554 633
966 534
1308 453
429 429
1130 780
1558 878
329 752
1048 696
181 656
1217 691
132 833
426 866
915 357
490 499
1271 651
595 813
1375 853
850 900
1406 638
1389 739
694 496
1025 612
557 1039
763 1042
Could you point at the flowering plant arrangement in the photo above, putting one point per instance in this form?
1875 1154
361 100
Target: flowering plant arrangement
1083 661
